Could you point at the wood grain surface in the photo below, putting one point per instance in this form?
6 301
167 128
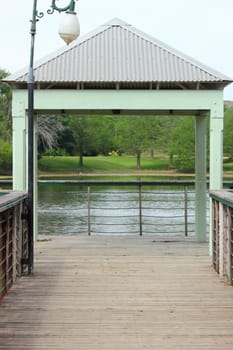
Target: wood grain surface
113 293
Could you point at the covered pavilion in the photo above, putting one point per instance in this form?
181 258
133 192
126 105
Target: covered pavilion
118 69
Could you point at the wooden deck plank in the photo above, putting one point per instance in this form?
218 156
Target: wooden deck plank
92 293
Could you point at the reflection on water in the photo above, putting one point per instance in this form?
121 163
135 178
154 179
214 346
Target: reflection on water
63 209
60 208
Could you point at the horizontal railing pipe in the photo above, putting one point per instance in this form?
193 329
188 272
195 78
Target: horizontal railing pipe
135 211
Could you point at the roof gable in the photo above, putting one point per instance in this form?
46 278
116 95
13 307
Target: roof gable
117 52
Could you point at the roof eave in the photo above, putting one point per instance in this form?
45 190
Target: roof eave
189 85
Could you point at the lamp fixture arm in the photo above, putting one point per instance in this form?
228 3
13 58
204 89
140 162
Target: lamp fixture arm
54 7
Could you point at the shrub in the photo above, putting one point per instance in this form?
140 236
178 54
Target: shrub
5 157
185 164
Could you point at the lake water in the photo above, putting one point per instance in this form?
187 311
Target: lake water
64 209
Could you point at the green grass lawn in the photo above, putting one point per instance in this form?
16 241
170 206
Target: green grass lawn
101 167
101 163
124 168
228 166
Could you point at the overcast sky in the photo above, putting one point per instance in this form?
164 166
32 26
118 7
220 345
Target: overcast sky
202 29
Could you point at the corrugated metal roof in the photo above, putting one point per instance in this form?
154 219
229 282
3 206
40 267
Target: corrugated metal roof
118 52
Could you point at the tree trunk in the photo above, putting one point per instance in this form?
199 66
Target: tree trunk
171 160
80 163
138 160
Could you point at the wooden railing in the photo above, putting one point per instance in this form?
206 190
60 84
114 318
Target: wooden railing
13 238
222 233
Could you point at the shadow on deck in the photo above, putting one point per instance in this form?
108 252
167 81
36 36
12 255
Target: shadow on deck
113 293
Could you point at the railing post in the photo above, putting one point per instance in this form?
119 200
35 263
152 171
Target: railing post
2 258
140 208
215 234
14 242
19 239
7 257
89 210
186 210
230 215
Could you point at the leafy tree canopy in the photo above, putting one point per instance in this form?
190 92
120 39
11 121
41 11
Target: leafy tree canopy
182 144
5 109
228 132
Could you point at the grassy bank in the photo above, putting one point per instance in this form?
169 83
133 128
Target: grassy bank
100 164
116 168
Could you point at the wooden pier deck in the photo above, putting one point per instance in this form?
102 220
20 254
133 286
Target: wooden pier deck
118 293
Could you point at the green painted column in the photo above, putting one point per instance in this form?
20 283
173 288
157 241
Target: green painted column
200 182
19 145
20 151
216 154
216 146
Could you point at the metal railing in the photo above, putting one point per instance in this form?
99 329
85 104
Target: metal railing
222 233
13 239
138 211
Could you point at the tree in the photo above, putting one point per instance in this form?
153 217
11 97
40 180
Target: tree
87 135
5 108
48 131
6 129
136 134
182 144
161 129
5 157
228 132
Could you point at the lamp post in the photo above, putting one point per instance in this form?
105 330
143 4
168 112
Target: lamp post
69 31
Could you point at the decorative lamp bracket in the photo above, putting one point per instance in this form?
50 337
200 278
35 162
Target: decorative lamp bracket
54 7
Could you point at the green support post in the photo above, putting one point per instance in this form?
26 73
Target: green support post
216 155
19 123
200 182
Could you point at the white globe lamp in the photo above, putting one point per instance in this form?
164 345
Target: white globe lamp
69 28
